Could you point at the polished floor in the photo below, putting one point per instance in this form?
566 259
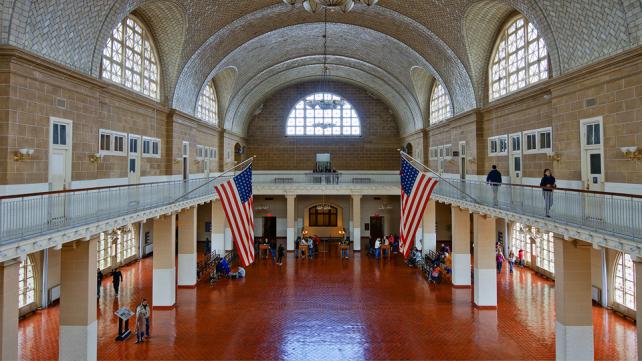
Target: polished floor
334 309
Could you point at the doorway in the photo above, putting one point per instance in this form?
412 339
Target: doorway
376 227
60 141
591 133
515 158
133 174
269 228
185 160
462 160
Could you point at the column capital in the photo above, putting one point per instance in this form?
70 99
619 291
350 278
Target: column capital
290 196
356 196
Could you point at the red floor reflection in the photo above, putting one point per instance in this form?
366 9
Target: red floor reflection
331 309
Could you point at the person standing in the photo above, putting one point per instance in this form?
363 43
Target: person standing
99 281
310 247
520 258
494 178
280 254
377 248
500 261
147 312
297 242
140 323
511 260
548 184
116 277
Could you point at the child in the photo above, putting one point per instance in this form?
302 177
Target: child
280 253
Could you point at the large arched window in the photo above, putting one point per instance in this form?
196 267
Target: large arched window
545 250
322 216
26 283
323 114
625 281
206 108
129 58
520 58
440 108
520 239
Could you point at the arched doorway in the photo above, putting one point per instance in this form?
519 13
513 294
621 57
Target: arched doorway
408 148
239 153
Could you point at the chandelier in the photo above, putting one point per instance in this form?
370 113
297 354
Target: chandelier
323 206
344 5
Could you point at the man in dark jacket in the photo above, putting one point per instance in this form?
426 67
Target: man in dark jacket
116 278
494 178
99 281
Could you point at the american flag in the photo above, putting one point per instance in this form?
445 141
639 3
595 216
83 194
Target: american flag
236 197
416 188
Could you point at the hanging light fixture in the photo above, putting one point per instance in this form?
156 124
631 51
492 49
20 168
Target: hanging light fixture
313 6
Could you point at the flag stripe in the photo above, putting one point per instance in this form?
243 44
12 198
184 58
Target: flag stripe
231 220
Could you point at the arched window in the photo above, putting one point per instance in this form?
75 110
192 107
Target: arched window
26 283
104 251
129 58
625 281
544 251
323 114
520 239
520 58
206 109
439 104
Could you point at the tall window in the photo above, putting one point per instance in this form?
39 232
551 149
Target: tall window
206 108
129 58
323 114
520 240
520 58
545 250
625 281
26 283
439 104
321 216
104 251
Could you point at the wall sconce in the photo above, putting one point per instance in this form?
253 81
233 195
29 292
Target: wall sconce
95 158
23 154
553 156
633 153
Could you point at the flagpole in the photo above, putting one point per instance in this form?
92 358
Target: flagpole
435 173
249 160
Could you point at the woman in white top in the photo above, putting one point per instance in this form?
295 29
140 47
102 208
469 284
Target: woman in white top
378 248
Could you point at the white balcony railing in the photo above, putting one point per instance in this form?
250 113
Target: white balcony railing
26 216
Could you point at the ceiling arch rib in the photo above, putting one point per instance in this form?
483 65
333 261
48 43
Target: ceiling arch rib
361 74
277 18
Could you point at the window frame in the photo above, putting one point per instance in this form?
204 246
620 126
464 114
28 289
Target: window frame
332 214
538 149
442 100
146 37
112 142
338 122
503 38
207 114
25 273
433 153
150 153
498 141
623 276
448 151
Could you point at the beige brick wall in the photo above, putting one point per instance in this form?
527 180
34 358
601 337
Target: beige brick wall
375 149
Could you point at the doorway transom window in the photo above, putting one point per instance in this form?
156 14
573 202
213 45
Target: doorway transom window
323 114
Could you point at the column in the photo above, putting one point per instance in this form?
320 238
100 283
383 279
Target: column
187 248
461 247
164 263
78 326
485 294
229 241
638 302
9 310
573 308
430 227
291 225
356 221
218 227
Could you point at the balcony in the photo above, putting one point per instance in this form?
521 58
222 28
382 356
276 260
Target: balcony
35 221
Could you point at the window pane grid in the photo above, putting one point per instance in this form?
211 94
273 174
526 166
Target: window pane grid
129 60
625 282
26 283
307 120
520 59
206 108
440 108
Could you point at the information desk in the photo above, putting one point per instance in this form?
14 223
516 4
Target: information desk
386 248
264 247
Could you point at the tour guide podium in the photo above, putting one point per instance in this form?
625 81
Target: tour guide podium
124 314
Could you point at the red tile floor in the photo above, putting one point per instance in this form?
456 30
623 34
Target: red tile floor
334 309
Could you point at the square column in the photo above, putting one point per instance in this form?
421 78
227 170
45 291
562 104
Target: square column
485 293
573 306
78 326
218 227
356 222
461 247
9 310
187 248
291 224
229 241
164 263
430 227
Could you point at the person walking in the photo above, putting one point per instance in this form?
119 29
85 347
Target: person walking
140 323
377 248
99 281
310 247
548 184
494 179
280 253
297 242
116 277
520 258
511 260
500 261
